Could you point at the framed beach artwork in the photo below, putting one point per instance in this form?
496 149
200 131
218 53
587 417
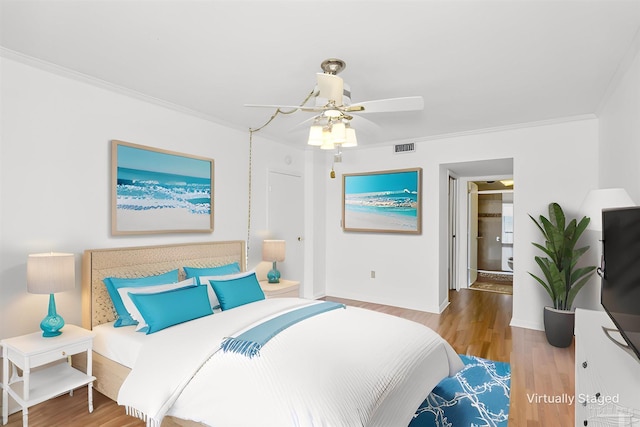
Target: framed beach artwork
385 201
159 191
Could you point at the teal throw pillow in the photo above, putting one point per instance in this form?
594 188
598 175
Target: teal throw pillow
237 291
169 308
114 283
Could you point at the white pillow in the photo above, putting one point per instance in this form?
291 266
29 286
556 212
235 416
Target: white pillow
131 307
213 298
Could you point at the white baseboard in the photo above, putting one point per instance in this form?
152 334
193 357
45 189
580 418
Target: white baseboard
518 323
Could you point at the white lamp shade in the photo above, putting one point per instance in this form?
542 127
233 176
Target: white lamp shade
351 138
273 250
327 141
338 133
600 199
49 273
315 135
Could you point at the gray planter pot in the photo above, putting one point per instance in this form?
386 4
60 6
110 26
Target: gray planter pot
558 326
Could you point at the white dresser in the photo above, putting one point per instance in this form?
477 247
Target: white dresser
607 377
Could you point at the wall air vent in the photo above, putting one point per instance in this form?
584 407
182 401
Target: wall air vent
404 148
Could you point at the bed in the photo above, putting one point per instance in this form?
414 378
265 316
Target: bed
340 366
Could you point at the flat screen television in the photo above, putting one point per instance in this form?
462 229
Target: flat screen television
620 272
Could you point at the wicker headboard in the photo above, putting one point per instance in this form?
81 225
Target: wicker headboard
98 264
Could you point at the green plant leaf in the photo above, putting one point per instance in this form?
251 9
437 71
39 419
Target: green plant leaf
575 289
538 224
556 215
543 249
561 279
544 285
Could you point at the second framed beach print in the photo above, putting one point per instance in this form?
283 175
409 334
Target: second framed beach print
385 201
159 191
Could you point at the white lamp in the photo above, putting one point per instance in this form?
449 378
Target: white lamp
273 251
331 132
50 273
600 199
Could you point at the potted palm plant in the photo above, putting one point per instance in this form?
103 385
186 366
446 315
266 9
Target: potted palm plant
561 277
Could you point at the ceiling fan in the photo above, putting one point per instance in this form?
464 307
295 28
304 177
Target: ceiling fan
334 110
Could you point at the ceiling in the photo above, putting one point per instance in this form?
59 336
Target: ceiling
478 64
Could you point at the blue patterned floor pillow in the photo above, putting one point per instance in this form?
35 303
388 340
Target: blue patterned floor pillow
476 396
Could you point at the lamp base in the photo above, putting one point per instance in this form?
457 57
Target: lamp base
273 276
52 323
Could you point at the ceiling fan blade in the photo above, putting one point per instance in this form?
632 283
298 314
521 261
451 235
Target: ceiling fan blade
409 103
330 87
289 107
360 124
302 125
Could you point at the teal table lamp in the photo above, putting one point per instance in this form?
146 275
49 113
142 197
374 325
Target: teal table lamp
273 251
50 273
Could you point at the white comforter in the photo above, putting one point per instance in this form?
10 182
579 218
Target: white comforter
351 367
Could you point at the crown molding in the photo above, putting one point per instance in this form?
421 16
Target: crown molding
103 84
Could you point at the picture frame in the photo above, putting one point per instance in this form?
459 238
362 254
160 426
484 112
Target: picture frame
159 191
383 202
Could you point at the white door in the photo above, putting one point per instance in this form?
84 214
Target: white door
285 221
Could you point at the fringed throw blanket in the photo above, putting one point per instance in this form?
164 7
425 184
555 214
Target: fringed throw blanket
338 367
250 342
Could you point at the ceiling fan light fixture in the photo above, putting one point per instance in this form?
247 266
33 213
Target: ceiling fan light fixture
351 140
327 140
333 65
315 135
332 113
327 145
331 126
338 133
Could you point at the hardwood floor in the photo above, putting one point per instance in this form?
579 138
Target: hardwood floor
475 323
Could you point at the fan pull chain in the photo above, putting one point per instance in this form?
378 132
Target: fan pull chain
246 261
251 131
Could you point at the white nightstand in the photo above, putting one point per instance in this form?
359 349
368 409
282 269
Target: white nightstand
30 351
286 288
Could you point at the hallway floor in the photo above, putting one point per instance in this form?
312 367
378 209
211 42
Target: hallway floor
493 282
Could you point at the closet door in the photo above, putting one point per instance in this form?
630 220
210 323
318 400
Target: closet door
285 221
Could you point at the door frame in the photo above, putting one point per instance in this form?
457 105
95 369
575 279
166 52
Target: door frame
463 264
453 231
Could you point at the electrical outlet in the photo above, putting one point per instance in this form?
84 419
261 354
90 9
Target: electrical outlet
373 274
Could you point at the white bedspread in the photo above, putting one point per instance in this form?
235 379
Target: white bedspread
351 367
121 345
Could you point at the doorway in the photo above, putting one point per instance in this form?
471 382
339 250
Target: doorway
490 217
456 178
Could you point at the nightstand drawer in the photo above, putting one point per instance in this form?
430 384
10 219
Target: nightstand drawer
285 293
59 353
283 289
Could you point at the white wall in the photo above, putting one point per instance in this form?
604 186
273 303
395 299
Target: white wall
554 162
619 148
620 133
55 177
